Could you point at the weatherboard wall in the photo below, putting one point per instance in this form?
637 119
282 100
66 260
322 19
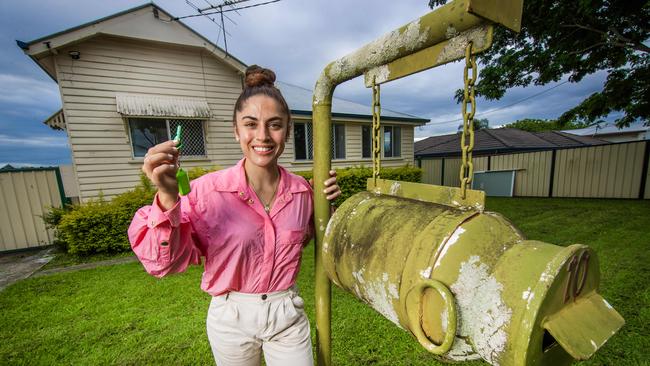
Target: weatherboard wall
353 147
99 135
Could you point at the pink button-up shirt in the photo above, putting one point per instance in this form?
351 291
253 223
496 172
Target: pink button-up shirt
221 219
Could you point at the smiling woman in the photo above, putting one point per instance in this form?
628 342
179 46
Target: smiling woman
250 222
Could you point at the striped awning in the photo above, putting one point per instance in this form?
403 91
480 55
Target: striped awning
56 121
140 105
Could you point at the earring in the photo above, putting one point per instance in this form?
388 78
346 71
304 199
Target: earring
237 138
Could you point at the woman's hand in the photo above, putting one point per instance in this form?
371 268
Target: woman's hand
332 190
160 166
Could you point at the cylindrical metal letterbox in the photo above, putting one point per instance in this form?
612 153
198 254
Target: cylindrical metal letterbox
466 283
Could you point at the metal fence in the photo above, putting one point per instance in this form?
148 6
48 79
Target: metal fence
25 195
619 170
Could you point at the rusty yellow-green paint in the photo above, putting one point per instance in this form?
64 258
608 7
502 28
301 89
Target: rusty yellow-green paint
584 325
439 54
507 13
443 195
399 255
431 223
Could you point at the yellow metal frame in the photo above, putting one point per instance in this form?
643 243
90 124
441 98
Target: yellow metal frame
441 25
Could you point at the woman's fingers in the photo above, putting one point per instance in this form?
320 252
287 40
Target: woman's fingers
333 196
330 181
160 165
332 190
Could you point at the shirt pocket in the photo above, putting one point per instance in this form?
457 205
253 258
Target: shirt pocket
292 237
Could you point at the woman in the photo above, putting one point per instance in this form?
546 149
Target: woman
250 222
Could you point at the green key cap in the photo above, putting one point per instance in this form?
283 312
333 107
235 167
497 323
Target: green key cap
181 175
183 181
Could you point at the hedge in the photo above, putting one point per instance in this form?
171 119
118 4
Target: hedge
100 226
354 180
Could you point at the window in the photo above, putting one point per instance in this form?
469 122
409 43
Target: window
366 141
338 141
303 141
147 132
392 141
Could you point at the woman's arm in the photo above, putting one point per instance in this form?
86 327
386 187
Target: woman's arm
164 241
161 235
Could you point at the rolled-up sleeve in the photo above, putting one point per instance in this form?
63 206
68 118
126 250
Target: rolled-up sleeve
164 241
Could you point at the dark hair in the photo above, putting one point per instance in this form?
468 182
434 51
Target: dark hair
257 81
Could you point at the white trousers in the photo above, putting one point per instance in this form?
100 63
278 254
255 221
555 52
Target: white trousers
240 326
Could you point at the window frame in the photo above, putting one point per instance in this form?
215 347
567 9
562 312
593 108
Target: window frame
167 122
309 153
395 143
335 140
369 127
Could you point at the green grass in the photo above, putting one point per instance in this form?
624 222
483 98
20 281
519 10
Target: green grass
121 315
63 259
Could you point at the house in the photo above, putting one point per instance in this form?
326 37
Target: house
608 131
127 80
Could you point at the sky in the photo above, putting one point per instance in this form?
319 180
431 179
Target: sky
295 38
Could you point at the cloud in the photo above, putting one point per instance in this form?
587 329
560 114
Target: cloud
37 141
295 38
23 90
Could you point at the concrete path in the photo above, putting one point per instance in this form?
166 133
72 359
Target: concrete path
77 267
18 266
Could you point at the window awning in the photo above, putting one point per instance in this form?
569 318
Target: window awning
139 105
56 121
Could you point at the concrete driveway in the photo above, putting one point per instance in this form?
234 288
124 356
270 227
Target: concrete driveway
20 265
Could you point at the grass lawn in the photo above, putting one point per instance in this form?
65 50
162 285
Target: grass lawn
62 259
121 315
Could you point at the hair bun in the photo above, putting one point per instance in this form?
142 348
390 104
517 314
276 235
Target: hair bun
258 76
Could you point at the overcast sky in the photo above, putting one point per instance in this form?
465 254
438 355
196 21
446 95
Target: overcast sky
296 38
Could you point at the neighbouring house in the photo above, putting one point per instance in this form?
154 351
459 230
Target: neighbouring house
500 141
127 80
608 131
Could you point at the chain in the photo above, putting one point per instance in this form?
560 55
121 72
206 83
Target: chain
467 167
376 129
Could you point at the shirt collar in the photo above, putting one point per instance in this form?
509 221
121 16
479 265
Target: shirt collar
234 180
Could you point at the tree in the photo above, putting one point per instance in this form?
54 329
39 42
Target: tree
539 125
479 123
576 38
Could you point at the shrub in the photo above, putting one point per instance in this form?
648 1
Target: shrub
354 180
52 217
100 226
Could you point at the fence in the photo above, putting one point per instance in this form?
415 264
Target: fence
25 195
619 170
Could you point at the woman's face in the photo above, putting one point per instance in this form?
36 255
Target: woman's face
261 129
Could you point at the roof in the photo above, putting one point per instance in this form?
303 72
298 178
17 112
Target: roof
609 128
300 102
39 49
56 121
502 140
139 18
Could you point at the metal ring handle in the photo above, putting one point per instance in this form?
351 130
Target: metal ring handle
413 310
